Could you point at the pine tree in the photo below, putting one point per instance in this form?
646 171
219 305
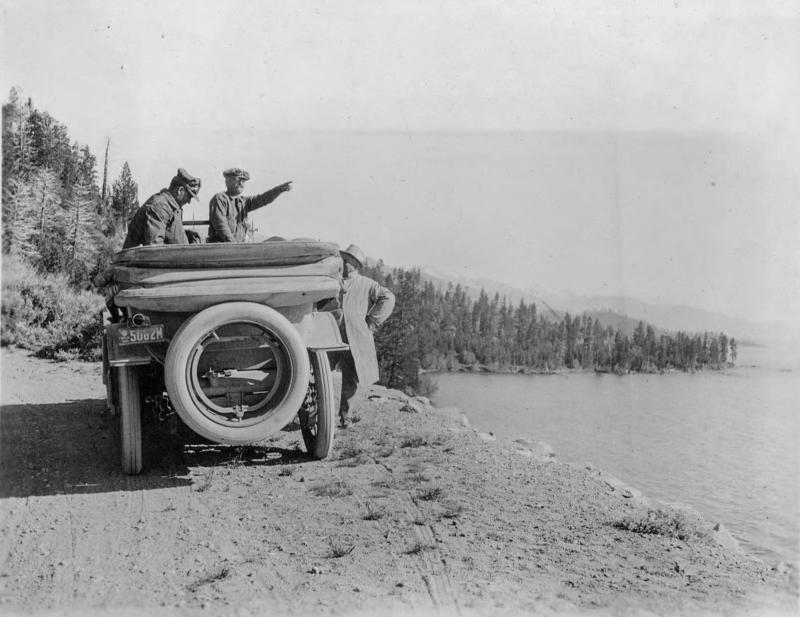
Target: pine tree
124 197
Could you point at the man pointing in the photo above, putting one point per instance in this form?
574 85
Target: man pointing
227 211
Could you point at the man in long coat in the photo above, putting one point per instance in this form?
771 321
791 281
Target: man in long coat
365 306
227 211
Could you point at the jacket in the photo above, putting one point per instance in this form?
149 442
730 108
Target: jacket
364 302
227 215
157 221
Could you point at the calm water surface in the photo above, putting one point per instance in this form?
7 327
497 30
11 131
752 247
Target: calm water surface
727 444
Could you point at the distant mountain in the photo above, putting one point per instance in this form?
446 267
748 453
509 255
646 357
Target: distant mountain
673 317
622 312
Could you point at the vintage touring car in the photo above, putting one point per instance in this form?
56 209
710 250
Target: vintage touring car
227 337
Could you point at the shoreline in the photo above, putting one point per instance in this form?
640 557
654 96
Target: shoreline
415 512
479 369
713 465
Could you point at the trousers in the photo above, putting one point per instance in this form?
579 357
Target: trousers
349 383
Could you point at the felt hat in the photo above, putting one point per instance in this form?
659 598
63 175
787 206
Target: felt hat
356 253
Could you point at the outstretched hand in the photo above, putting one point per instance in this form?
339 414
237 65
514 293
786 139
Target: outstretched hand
286 186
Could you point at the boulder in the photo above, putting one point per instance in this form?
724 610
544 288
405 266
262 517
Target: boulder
542 450
722 536
411 407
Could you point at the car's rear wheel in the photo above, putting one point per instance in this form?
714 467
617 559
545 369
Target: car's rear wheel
237 372
130 418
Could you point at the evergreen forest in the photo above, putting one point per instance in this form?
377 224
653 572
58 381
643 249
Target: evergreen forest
433 330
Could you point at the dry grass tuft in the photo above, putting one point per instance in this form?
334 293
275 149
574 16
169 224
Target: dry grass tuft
236 460
418 548
205 483
384 451
339 550
430 494
350 450
361 459
414 441
418 478
332 488
453 510
373 512
220 575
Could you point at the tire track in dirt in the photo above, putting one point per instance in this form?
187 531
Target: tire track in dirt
429 560
431 563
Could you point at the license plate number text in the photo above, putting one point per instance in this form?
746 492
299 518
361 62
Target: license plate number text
146 334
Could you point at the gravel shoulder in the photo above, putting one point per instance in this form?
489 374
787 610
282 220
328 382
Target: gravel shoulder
415 513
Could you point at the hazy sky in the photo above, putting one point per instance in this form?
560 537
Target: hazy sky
646 148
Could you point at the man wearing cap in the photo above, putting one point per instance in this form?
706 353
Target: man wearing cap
227 211
365 305
158 220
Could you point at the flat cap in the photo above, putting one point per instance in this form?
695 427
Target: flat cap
236 172
187 181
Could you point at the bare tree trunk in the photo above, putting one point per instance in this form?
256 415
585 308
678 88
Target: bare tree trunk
75 235
105 174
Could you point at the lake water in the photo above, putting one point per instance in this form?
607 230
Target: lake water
725 443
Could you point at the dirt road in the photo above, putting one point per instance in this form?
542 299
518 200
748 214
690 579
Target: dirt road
414 513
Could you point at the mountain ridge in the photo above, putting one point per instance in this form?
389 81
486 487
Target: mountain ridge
622 312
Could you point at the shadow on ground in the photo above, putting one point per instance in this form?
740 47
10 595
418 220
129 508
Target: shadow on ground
73 447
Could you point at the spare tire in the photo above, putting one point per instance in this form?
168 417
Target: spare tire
237 372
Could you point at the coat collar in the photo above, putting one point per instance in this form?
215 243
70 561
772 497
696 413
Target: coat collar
170 199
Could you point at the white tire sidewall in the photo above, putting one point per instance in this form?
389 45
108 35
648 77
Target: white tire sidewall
197 326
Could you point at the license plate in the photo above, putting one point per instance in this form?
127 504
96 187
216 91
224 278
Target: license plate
145 334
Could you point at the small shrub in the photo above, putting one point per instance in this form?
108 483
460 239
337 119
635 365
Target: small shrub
415 441
663 522
45 314
426 386
285 471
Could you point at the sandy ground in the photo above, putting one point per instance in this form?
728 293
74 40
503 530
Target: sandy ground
415 513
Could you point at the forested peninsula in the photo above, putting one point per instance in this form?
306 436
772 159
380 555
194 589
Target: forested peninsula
63 220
